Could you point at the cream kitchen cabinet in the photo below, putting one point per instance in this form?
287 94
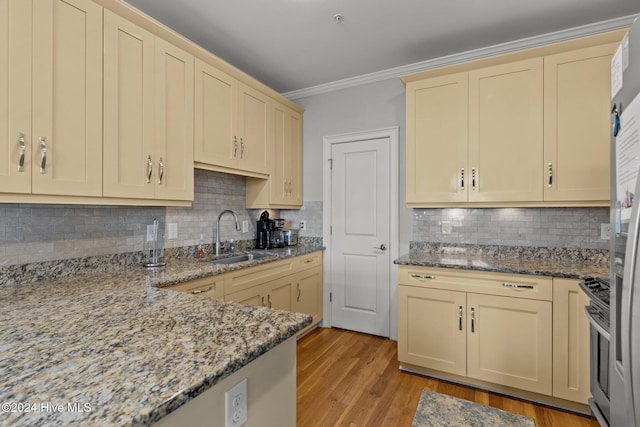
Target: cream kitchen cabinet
277 294
283 188
211 287
512 130
437 140
476 136
231 124
570 342
51 95
148 115
489 327
577 94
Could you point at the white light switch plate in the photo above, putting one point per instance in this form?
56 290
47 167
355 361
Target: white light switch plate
604 231
446 227
245 226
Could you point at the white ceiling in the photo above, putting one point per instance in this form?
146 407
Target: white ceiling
296 44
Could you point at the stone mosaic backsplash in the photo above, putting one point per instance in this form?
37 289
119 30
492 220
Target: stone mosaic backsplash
537 227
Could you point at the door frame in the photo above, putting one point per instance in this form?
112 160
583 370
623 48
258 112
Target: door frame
392 133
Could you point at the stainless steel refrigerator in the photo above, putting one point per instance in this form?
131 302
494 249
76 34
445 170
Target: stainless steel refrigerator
622 378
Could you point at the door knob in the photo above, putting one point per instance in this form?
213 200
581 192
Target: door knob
382 247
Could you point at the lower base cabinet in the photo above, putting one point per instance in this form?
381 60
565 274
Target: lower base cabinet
522 332
293 284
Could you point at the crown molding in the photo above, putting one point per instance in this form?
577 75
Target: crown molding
472 55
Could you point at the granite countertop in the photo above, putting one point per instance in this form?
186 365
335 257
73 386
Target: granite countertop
123 350
519 260
182 270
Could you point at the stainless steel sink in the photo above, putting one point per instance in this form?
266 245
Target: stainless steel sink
241 258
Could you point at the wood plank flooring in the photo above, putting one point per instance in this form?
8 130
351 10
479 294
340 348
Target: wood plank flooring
350 379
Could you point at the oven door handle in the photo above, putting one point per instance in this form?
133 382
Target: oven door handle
596 325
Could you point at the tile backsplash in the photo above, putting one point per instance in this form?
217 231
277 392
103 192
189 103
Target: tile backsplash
542 227
36 233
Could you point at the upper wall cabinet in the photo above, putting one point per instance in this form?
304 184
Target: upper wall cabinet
231 124
51 95
148 117
476 136
512 133
577 94
283 189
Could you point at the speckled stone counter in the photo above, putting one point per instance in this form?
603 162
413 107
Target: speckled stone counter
121 349
554 262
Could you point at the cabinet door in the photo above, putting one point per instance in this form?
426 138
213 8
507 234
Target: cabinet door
509 341
253 132
286 177
505 132
67 103
253 296
279 293
15 95
174 122
211 287
570 342
437 140
309 293
129 108
431 329
215 116
576 124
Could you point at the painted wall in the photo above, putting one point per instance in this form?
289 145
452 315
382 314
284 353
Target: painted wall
367 107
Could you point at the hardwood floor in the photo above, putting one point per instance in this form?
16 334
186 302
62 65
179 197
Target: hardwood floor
350 379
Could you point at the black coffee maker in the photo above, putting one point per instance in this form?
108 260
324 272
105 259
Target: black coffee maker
264 227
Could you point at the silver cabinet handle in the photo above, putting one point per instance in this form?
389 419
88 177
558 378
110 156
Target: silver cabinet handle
43 154
235 146
23 150
382 247
149 169
202 291
262 301
241 148
161 172
550 166
517 286
307 261
422 276
462 179
299 293
460 318
269 300
473 320
473 178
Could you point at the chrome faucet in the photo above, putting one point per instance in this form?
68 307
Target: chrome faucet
218 227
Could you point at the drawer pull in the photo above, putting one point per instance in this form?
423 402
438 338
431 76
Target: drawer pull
43 151
299 293
307 261
422 276
473 320
22 152
202 291
517 286
462 179
460 317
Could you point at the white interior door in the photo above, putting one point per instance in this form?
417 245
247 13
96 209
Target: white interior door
360 235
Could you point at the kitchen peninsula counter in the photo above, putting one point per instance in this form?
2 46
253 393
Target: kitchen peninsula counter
552 262
122 351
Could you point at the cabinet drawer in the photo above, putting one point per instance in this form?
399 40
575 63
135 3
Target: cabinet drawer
243 279
510 285
211 287
303 262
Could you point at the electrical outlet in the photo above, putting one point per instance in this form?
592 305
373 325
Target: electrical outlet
303 224
149 233
245 226
173 231
236 405
446 227
605 229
